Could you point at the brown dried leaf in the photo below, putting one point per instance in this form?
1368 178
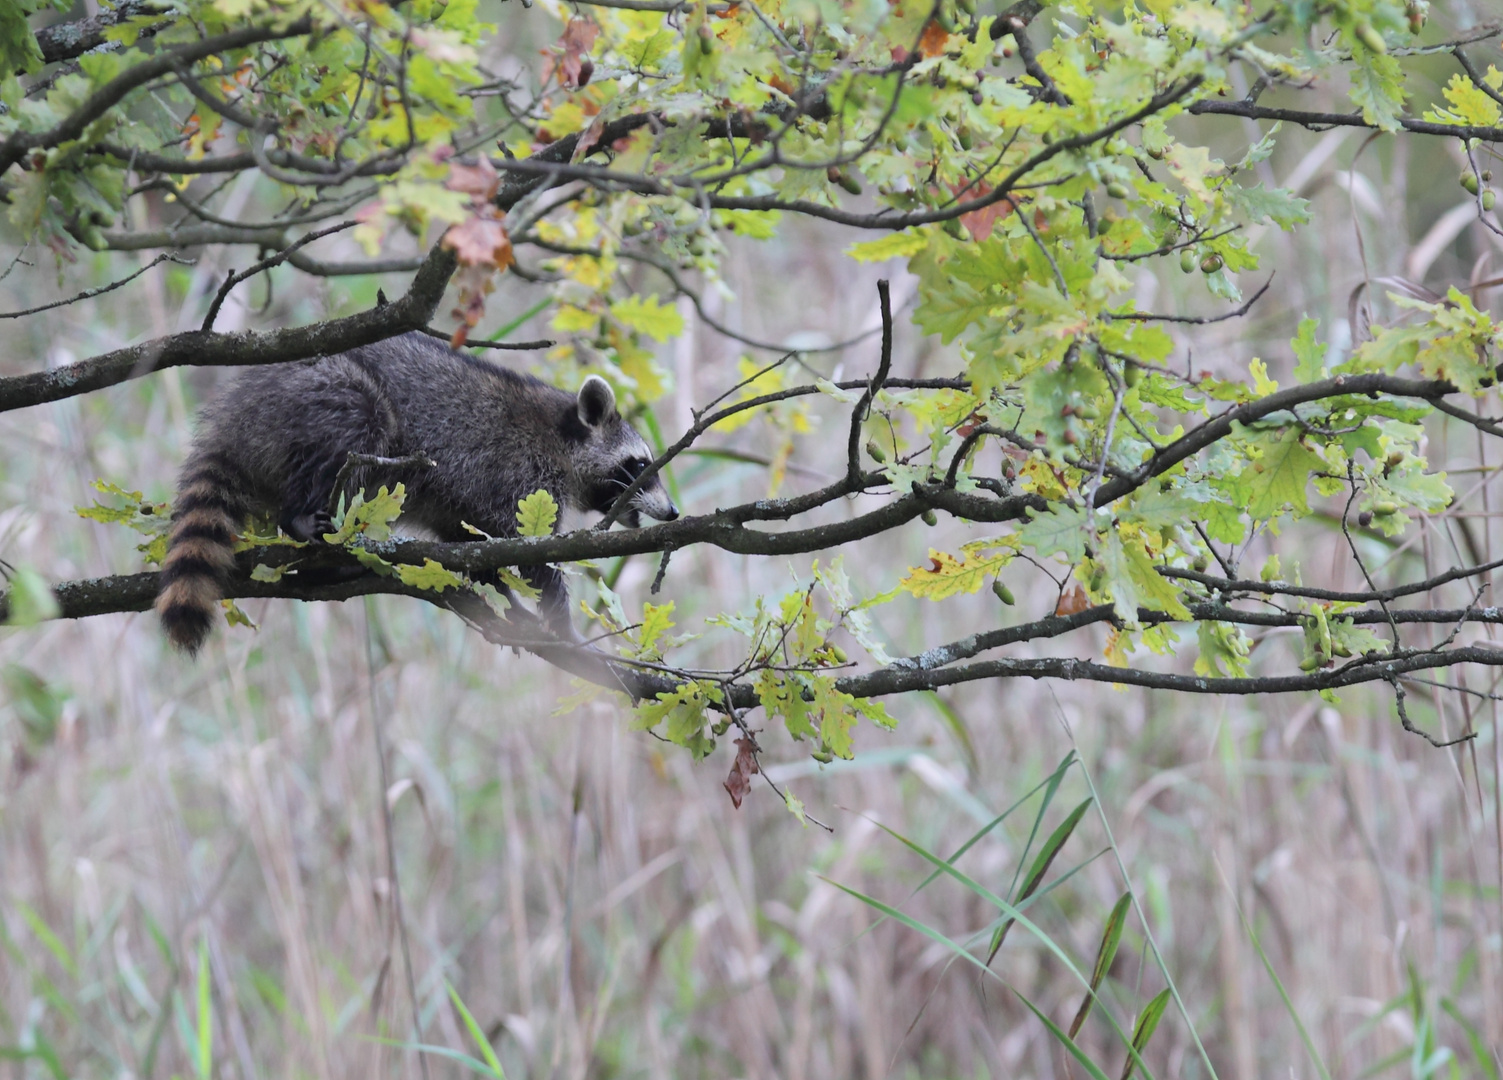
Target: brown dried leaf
590 137
738 783
479 180
935 40
480 240
579 35
979 223
1072 602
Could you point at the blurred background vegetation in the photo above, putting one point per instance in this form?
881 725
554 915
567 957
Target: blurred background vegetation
266 862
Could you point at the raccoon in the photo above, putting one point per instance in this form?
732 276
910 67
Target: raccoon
276 441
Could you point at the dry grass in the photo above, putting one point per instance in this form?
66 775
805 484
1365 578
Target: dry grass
590 893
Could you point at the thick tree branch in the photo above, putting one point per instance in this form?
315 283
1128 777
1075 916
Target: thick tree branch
1219 427
1321 120
70 40
20 143
548 164
412 312
930 670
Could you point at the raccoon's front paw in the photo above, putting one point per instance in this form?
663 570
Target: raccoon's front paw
310 528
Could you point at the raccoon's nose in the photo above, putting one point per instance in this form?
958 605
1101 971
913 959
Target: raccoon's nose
672 514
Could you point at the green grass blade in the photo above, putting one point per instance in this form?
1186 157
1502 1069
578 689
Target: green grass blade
1007 909
1158 955
1111 937
204 1056
1041 867
992 898
43 1053
980 834
1051 786
1473 1037
913 924
519 320
477 1033
1068 1043
956 724
49 940
1143 1030
1299 1026
472 1063
1384 1064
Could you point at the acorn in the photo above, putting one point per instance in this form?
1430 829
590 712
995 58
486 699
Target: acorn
1156 152
1200 564
844 179
1489 199
1469 182
1003 593
1309 663
1365 518
838 653
1393 461
875 452
1210 264
1132 374
586 71
1187 261
930 518
1385 509
1117 190
1369 36
706 39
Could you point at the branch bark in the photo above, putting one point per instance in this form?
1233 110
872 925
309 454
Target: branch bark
1252 111
20 143
412 312
70 40
928 671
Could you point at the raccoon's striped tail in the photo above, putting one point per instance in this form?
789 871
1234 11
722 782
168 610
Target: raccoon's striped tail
210 507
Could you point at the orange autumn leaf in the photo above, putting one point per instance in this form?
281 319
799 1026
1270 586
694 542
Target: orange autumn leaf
935 41
1072 602
738 783
480 241
479 180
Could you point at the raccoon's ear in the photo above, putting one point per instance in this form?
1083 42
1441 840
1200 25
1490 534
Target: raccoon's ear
596 401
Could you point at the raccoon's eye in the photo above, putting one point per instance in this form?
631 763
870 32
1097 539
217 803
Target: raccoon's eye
635 466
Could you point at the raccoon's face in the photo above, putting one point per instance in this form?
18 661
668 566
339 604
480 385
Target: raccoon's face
613 456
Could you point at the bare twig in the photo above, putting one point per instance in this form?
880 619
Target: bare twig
261 267
89 294
1196 320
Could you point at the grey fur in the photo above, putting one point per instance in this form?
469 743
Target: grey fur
276 440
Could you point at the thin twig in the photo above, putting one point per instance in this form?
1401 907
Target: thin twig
88 294
1439 744
1195 320
265 264
513 346
863 406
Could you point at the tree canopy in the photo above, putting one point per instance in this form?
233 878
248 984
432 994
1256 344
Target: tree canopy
1026 166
